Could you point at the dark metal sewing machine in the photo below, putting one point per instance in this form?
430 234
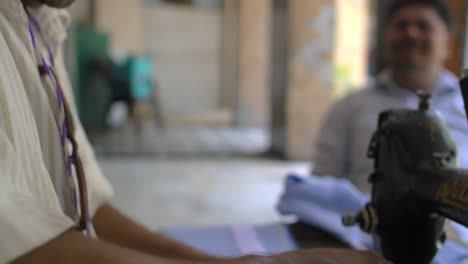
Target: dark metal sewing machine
415 185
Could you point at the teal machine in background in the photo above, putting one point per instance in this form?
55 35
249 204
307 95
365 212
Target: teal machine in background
93 94
101 81
138 71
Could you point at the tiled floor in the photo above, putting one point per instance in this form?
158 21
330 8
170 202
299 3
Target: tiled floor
198 192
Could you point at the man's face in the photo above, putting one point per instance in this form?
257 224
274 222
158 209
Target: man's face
416 37
51 3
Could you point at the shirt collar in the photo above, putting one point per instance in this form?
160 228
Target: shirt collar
54 22
446 82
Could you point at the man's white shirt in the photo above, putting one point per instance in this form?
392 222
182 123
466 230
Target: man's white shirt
36 202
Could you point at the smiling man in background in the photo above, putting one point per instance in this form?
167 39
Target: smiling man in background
417 46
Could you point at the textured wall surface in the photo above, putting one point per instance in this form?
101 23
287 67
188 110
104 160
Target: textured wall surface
328 58
185 44
254 65
123 20
351 46
311 29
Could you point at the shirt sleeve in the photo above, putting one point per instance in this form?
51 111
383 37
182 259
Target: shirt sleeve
26 225
30 213
331 153
99 189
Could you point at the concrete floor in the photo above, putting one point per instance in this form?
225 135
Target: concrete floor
149 140
198 192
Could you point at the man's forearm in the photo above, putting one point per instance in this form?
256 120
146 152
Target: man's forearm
75 248
116 228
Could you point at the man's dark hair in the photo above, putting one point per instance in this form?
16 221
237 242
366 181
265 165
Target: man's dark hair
439 6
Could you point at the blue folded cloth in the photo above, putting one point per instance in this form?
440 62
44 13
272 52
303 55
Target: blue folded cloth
331 193
235 241
451 253
322 201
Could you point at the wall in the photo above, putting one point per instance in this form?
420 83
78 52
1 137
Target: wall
279 76
310 88
327 59
186 46
456 61
230 53
350 46
254 64
123 20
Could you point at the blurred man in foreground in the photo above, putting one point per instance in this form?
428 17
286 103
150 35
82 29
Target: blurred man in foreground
54 200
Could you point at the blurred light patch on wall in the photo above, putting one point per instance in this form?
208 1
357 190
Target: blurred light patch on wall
328 47
351 46
309 88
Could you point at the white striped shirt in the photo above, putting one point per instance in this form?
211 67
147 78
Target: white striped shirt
35 199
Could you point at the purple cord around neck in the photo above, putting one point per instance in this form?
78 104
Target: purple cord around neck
34 23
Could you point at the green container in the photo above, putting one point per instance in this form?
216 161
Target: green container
93 93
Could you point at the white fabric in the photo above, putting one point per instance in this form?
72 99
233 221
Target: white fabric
35 197
247 240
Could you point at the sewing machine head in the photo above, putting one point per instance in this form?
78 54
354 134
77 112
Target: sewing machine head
415 160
